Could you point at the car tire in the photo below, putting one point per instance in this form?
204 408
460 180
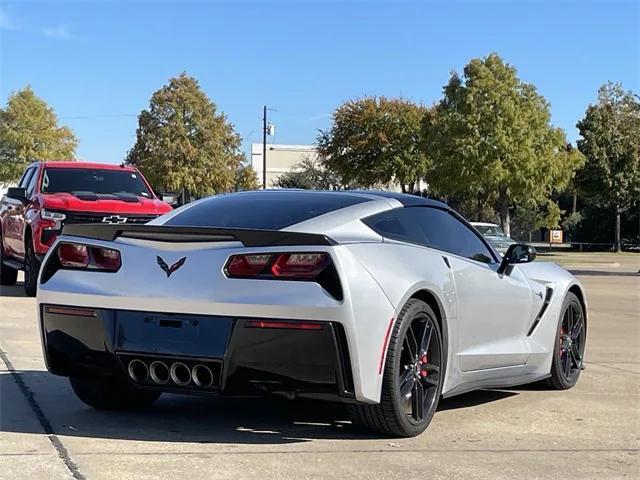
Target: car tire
110 394
570 339
8 275
31 270
412 372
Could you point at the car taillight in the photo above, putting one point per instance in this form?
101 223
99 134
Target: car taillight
304 266
299 265
78 256
105 258
247 265
75 255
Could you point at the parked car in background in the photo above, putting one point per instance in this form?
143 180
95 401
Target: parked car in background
494 235
52 194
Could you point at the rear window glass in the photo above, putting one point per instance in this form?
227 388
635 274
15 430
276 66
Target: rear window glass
264 210
431 227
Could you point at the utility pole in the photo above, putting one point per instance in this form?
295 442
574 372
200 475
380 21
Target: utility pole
264 148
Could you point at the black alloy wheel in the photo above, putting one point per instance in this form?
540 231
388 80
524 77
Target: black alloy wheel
419 372
571 338
412 378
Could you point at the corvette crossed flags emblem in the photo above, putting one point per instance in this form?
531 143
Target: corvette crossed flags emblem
170 269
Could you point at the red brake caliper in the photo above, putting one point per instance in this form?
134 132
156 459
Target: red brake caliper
423 360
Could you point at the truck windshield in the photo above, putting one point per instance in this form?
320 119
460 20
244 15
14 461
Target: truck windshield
98 181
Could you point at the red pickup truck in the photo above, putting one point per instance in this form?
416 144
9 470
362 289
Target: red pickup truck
51 194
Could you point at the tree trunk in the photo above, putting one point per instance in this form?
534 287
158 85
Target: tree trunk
503 212
618 245
575 201
186 197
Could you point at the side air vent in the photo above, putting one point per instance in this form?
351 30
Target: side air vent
543 309
345 372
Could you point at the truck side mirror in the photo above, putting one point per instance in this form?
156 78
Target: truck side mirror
17 193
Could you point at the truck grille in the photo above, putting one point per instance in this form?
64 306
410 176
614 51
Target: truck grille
73 217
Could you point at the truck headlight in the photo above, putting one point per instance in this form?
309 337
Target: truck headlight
49 215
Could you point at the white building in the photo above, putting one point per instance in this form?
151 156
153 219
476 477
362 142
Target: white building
283 158
280 159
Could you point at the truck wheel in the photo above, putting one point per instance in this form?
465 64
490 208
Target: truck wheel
31 270
8 275
109 394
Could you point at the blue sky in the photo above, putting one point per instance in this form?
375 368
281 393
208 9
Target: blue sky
97 63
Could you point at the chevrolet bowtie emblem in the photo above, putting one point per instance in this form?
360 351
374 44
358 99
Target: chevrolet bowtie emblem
114 219
170 269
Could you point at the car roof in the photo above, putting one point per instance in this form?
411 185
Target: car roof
337 214
92 165
483 224
405 199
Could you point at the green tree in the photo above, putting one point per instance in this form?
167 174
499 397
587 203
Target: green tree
246 179
29 131
610 141
183 143
312 174
491 141
376 140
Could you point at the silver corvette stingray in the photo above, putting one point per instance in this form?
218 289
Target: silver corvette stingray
384 301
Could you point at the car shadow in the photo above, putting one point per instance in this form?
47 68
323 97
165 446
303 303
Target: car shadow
16 290
473 399
184 418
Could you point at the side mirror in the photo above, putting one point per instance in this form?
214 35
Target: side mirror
17 193
517 253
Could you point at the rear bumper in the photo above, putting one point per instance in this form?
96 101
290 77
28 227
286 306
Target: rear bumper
246 357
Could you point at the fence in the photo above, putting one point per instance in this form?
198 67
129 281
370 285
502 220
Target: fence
581 246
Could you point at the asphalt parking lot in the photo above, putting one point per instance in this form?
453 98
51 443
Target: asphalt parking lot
591 431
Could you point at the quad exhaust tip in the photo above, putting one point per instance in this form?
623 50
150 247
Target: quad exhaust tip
202 376
159 372
180 374
138 371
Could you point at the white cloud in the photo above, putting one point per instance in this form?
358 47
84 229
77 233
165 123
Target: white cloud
59 32
6 23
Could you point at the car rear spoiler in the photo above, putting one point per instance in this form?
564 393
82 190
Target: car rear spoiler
167 233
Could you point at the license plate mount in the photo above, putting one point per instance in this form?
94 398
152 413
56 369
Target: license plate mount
172 334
